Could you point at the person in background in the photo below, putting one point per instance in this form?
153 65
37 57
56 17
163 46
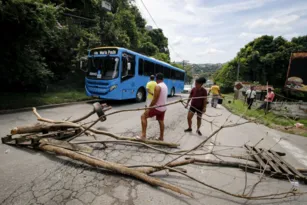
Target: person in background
198 96
159 99
150 87
250 96
268 100
216 94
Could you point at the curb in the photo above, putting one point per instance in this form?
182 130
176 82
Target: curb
2 112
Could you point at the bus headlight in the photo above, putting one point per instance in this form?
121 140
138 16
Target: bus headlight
113 87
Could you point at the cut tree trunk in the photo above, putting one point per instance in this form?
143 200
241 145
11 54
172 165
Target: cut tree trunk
41 128
118 168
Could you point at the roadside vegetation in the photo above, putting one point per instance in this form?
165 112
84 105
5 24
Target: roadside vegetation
271 120
29 99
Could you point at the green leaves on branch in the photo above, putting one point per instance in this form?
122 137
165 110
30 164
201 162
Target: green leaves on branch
40 43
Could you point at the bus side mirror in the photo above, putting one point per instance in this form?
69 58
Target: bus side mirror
83 64
128 66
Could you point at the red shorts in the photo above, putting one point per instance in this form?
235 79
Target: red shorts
156 113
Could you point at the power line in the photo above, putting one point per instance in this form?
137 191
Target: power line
158 27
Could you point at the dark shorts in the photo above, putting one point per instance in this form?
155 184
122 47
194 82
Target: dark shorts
197 111
156 113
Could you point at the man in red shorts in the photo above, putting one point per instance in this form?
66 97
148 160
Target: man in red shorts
198 105
159 98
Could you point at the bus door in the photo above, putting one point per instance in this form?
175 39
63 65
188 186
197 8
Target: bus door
128 67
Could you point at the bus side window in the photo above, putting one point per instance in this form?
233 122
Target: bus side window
149 68
173 77
159 69
166 72
127 73
182 76
141 66
177 75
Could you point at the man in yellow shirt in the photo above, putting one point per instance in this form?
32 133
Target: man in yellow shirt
150 88
216 93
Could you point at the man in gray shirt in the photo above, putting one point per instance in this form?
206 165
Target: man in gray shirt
251 95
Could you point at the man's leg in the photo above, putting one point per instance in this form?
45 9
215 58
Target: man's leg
144 123
251 103
215 101
198 123
161 123
190 116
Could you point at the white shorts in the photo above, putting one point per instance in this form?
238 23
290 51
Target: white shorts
148 102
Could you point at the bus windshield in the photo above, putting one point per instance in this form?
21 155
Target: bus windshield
103 67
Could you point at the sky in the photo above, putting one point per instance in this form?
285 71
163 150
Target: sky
213 31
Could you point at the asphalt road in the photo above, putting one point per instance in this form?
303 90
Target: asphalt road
32 177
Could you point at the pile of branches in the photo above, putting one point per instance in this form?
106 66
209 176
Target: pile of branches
57 137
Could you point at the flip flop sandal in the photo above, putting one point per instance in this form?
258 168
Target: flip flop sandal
139 138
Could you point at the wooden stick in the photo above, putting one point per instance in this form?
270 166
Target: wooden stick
224 163
70 124
113 167
151 170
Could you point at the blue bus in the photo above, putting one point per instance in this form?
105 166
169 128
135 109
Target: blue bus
118 74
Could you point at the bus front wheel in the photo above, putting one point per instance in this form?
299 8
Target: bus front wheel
140 95
173 92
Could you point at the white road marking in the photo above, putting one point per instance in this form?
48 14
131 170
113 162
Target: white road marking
296 152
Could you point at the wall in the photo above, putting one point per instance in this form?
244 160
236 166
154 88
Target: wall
290 109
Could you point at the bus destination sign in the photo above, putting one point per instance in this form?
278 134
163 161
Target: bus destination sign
104 52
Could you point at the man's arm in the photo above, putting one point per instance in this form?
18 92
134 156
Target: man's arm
190 96
148 91
205 102
155 96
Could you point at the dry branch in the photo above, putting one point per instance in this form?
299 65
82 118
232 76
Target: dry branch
112 167
86 129
225 163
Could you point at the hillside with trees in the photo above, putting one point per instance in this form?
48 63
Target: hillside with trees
263 60
41 40
207 69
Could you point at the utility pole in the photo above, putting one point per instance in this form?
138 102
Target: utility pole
184 62
238 71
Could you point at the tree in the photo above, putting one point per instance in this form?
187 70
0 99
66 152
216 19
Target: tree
264 59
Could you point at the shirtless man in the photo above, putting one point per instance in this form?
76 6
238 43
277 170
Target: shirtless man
159 99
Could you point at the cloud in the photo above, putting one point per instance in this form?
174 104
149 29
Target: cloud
201 40
246 35
211 51
204 31
239 6
282 22
177 40
289 36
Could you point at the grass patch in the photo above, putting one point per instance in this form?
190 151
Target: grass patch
271 120
21 100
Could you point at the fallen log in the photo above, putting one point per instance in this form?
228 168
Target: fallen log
68 124
118 168
151 170
226 163
66 145
42 128
153 142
